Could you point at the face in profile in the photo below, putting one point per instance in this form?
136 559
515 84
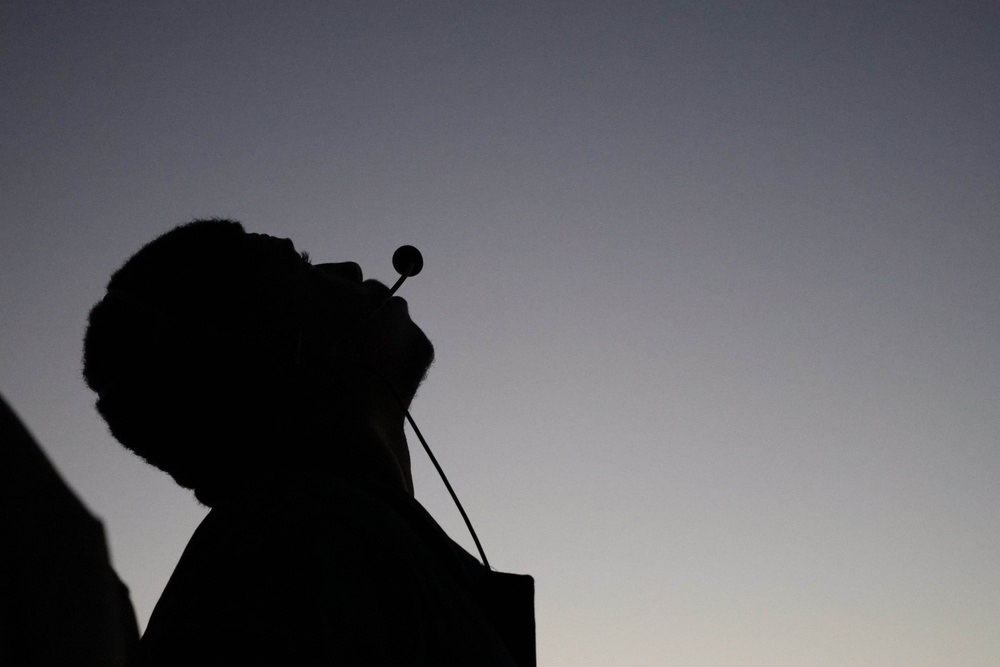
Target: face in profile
383 338
357 326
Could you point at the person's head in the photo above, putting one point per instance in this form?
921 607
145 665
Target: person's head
216 352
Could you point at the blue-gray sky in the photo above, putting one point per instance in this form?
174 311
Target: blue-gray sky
714 287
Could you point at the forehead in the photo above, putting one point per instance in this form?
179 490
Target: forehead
271 257
271 249
266 243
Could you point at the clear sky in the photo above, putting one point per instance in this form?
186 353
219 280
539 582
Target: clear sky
714 287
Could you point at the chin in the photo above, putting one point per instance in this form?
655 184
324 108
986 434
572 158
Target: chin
420 357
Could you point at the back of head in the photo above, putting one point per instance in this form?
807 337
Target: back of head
191 351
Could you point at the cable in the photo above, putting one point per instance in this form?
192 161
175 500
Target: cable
444 478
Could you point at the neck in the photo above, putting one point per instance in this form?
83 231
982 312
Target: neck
386 417
368 420
353 428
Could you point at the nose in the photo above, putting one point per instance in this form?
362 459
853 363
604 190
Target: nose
343 270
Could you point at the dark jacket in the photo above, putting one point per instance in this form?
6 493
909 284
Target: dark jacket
316 569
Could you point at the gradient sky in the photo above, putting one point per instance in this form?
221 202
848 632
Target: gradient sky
714 287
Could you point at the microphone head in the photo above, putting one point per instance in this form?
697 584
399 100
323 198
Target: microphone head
407 261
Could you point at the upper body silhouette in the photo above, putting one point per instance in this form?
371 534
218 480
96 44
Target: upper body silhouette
276 390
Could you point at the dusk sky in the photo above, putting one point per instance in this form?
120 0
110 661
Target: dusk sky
714 287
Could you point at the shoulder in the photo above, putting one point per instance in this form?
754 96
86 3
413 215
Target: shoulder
322 567
266 571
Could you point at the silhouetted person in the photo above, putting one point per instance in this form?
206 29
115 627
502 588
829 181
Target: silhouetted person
265 384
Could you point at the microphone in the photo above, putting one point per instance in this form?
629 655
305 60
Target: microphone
407 261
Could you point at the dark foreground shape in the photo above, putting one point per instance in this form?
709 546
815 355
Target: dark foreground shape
61 602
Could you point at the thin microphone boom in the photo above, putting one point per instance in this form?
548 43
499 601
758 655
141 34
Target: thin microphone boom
454 496
408 261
